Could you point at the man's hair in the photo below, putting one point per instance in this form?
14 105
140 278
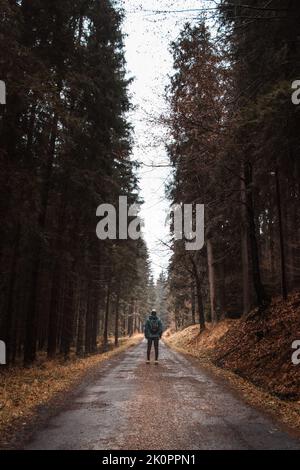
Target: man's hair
153 311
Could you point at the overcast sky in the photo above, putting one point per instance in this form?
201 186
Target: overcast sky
149 61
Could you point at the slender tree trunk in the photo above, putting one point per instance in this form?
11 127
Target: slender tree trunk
258 286
200 305
199 295
117 318
9 333
272 249
68 314
32 314
289 218
244 247
193 303
95 320
294 238
54 311
222 289
107 308
88 319
80 329
211 280
134 318
124 320
281 240
176 319
130 318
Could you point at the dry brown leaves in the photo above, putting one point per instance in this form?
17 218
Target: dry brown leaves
23 390
260 348
254 354
198 344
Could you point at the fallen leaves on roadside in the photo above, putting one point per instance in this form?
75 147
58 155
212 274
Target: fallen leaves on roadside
23 390
259 348
254 354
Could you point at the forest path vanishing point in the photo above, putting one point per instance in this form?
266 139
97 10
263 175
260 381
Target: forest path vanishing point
175 405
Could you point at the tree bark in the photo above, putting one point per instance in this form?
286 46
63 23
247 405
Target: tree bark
107 308
88 320
117 318
9 323
199 295
193 303
281 240
244 247
53 313
211 280
81 318
256 274
68 314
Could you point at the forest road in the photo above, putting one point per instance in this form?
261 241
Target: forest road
174 405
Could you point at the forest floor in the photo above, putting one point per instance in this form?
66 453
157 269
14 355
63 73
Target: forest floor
254 354
23 391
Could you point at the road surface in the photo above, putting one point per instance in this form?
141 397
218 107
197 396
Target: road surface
175 405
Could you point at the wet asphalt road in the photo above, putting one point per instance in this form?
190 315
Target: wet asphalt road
175 405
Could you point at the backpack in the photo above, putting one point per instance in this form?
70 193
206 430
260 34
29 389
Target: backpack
154 325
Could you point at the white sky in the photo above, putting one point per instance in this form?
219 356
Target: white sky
149 61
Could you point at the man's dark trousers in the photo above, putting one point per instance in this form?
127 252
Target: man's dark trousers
155 341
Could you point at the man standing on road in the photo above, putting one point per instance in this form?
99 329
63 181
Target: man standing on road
153 332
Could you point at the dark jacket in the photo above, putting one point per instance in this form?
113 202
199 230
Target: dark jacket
149 334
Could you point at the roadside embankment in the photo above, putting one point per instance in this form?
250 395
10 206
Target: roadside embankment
254 354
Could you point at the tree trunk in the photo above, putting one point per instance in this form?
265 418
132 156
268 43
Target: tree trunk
9 323
272 250
211 280
88 319
107 307
193 303
199 295
94 331
117 318
258 286
281 241
54 311
130 318
222 289
244 247
80 330
68 314
200 305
